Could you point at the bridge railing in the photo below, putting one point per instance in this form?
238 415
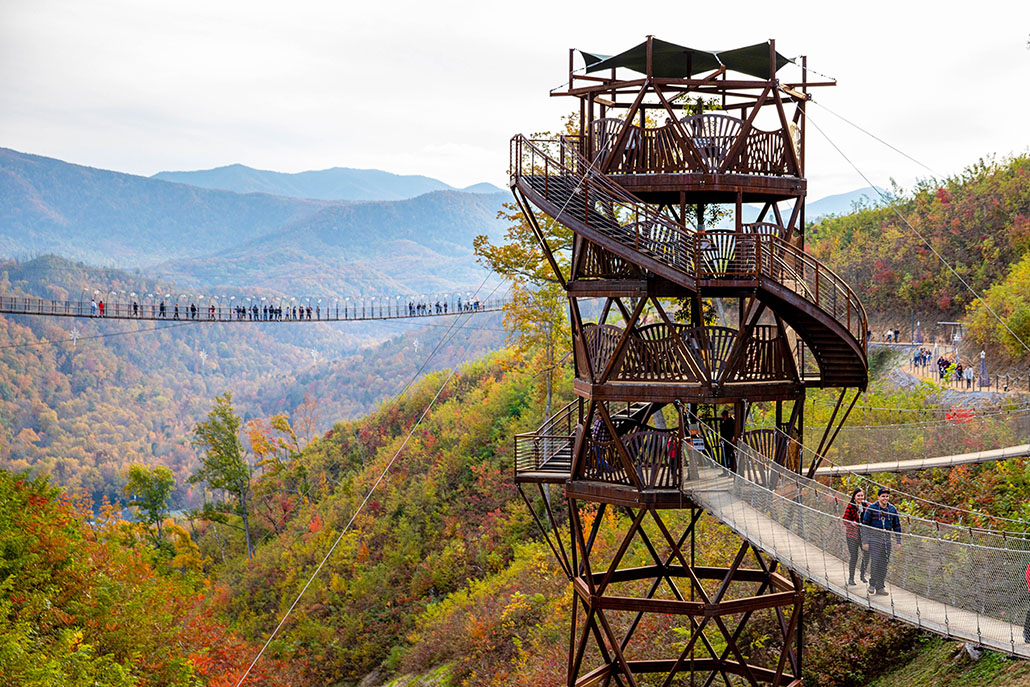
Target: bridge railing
932 511
241 310
556 171
946 579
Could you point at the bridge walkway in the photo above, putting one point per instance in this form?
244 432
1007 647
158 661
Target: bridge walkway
925 463
956 589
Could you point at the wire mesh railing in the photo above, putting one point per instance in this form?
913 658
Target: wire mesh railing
936 511
555 171
942 578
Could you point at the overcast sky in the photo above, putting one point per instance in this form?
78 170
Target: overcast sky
438 88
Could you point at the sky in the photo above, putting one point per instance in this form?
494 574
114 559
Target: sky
439 88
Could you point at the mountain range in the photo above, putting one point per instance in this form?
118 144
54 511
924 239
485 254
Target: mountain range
209 237
337 183
330 233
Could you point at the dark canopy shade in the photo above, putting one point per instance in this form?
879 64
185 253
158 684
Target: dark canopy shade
670 61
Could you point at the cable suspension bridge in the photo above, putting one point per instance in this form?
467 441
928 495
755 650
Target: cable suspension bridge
251 309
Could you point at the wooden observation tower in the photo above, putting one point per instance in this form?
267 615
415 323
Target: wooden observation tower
690 292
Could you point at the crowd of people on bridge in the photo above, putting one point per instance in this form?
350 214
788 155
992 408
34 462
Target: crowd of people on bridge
416 308
277 312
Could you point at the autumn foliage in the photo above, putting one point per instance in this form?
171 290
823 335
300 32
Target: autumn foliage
83 602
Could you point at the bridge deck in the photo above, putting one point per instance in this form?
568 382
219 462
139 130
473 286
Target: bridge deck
924 463
713 489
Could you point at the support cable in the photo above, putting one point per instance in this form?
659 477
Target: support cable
47 342
877 138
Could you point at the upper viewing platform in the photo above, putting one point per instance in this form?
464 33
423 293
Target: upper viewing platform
662 120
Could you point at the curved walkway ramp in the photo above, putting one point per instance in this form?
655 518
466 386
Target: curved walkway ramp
925 463
963 584
251 309
818 304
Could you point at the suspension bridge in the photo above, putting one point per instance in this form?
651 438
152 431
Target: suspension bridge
959 582
252 309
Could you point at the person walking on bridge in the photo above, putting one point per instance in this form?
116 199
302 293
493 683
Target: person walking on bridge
852 517
728 432
883 518
1026 623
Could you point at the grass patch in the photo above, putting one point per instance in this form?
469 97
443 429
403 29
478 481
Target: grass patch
942 663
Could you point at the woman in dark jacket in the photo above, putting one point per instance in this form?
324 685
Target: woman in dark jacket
853 534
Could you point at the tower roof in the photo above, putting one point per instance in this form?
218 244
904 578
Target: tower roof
672 61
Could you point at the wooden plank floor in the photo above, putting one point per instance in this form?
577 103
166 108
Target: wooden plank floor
924 463
713 490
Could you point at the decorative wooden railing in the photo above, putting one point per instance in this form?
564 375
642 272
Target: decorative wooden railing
653 453
721 143
655 353
579 195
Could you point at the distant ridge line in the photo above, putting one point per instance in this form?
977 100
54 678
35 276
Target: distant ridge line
333 184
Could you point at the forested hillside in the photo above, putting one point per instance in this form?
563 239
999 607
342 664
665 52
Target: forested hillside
979 221
83 408
88 600
441 575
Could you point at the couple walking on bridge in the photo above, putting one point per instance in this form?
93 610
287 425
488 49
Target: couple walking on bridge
867 529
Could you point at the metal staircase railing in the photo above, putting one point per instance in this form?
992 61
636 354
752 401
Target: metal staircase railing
555 172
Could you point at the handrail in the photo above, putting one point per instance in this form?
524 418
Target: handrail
571 184
582 196
663 149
